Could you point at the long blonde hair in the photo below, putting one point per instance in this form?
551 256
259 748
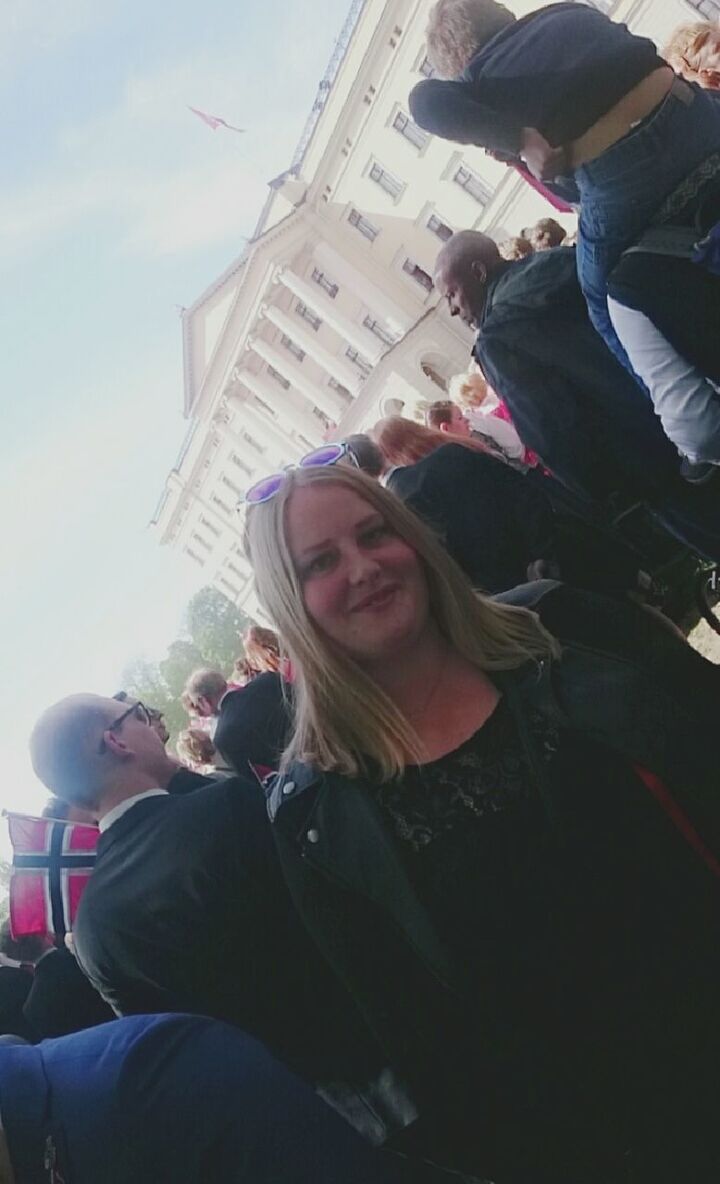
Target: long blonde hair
343 720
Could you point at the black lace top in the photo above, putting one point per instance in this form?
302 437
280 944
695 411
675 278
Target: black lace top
487 775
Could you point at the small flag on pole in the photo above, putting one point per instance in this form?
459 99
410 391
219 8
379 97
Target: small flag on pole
214 121
52 863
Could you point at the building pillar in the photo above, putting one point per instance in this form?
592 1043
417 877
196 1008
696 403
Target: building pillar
380 306
292 412
292 327
312 295
316 394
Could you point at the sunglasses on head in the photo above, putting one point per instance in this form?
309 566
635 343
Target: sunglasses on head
265 489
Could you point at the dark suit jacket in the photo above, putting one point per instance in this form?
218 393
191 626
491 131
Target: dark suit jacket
253 724
15 984
187 781
489 518
61 999
187 910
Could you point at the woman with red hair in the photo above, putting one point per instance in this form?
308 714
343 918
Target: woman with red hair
496 522
492 521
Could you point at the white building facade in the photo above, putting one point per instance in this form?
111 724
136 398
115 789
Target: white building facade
329 318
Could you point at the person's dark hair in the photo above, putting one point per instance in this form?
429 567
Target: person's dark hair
367 454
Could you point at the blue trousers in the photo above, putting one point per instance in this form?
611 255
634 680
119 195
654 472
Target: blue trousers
167 1098
625 187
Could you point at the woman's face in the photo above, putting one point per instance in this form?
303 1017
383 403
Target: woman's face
363 586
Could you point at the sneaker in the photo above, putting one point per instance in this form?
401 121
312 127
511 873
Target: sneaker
697 474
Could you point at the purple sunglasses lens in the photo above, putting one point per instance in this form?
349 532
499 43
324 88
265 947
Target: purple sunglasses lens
263 490
327 455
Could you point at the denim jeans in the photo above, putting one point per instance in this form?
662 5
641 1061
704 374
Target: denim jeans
625 187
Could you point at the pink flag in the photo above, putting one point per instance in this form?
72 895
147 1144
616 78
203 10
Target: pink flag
214 121
52 863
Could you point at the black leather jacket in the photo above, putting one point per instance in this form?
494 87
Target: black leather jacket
351 888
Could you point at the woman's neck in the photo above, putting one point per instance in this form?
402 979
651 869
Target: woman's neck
443 696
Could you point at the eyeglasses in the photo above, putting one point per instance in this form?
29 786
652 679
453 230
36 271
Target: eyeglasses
265 489
138 710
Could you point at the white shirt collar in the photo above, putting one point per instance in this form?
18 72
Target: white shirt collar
117 812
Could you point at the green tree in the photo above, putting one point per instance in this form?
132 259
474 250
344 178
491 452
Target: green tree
210 636
215 626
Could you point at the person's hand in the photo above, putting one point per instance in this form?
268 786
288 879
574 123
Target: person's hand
544 161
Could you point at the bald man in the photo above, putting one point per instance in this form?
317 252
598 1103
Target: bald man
569 399
186 909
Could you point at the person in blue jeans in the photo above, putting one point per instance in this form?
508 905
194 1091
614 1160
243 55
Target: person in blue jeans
155 1099
581 100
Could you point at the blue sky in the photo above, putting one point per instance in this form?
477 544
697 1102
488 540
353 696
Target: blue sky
117 206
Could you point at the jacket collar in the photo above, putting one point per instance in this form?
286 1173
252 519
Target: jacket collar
132 819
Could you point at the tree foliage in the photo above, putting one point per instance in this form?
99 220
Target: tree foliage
211 635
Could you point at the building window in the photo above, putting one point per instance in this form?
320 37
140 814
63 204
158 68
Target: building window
358 360
268 411
386 180
304 441
339 388
471 183
426 68
437 227
410 130
210 526
241 464
431 372
327 285
253 442
232 487
206 546
221 505
293 348
364 225
235 570
194 555
234 592
710 9
413 269
279 378
308 315
324 419
379 330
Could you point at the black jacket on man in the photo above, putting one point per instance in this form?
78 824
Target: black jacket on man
186 910
61 1000
253 724
576 406
487 515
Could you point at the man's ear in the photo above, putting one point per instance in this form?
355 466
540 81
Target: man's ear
479 270
116 745
445 427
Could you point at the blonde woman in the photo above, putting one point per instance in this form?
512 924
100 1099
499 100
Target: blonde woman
693 51
467 822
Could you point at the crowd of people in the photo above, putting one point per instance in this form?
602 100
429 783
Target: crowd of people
430 890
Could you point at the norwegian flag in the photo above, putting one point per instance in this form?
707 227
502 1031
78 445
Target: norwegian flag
52 863
214 121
